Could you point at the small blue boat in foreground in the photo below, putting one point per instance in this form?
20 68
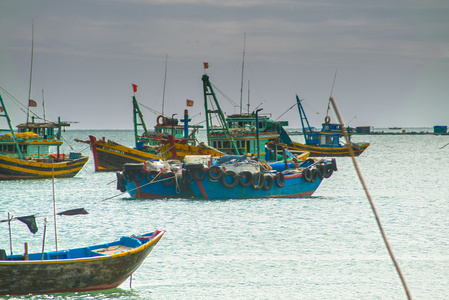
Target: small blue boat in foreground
231 177
99 267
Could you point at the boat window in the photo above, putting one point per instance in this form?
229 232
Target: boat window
226 144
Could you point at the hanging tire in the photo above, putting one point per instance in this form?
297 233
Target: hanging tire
268 182
187 177
328 171
128 175
334 164
321 171
235 179
258 181
248 175
314 175
215 173
307 175
279 179
152 175
168 178
198 174
138 176
120 184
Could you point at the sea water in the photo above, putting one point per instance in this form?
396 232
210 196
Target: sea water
327 246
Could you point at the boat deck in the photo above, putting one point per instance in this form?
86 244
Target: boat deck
113 249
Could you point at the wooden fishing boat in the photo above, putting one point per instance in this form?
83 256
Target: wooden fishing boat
230 177
99 267
325 143
169 140
239 134
26 154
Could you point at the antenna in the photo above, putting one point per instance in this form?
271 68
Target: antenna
31 71
330 96
243 64
165 80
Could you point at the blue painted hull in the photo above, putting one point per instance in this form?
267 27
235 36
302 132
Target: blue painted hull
143 189
295 186
223 183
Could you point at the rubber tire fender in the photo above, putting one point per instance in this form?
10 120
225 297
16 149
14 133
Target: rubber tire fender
198 174
234 176
168 178
120 184
328 171
279 179
267 182
258 181
248 175
215 170
307 175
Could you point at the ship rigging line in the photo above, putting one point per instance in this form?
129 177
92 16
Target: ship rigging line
371 202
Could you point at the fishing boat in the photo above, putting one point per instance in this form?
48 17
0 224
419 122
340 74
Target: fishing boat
324 143
238 134
169 140
98 267
26 154
229 177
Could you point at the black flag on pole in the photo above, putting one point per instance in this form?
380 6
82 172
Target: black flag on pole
30 221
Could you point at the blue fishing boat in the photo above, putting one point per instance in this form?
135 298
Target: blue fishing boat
99 267
229 177
325 143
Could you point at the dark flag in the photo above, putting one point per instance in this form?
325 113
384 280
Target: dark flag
30 221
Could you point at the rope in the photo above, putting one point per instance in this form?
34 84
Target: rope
362 181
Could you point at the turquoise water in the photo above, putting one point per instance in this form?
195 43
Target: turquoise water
327 246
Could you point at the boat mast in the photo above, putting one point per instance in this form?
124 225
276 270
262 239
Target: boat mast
330 96
208 91
138 114
303 117
243 65
10 127
165 80
31 72
43 105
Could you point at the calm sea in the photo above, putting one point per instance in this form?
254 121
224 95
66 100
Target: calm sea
327 246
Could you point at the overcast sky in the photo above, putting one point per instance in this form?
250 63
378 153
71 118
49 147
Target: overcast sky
391 58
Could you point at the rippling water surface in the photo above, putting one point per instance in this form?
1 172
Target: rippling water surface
326 246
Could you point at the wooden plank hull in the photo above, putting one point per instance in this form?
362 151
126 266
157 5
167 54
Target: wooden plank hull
316 151
72 275
14 168
112 156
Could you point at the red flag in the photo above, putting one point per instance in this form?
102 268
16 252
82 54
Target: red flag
32 103
1 109
206 65
134 88
189 102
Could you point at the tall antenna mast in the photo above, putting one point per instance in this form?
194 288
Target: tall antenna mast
43 105
243 65
165 80
31 72
330 96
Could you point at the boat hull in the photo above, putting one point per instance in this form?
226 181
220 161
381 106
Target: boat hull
316 151
112 156
14 168
295 186
142 185
72 275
